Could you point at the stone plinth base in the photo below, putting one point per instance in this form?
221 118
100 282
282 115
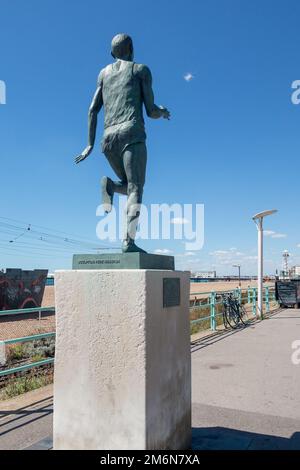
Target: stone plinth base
122 364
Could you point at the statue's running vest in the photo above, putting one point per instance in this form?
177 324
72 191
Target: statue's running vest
123 106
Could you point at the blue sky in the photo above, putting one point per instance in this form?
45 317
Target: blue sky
232 143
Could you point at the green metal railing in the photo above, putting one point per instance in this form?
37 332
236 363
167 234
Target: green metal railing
32 364
27 338
23 311
212 299
26 367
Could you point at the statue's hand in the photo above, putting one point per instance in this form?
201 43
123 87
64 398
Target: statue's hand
165 113
84 154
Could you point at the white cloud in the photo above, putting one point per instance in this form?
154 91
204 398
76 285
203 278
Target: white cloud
279 235
187 253
188 77
179 221
220 253
164 251
272 234
268 233
230 257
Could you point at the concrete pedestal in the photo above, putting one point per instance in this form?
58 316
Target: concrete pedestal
122 363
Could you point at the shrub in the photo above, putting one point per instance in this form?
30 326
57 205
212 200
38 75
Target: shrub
17 352
24 384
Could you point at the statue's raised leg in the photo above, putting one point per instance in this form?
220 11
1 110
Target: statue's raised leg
134 159
108 186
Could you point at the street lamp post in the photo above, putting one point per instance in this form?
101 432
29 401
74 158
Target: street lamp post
258 219
239 268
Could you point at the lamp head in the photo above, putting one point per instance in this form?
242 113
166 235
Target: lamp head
263 214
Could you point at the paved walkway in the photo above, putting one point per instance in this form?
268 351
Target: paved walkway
246 392
26 419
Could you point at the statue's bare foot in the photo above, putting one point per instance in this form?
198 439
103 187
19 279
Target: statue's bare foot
107 193
131 247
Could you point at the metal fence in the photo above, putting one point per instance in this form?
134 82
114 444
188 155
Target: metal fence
201 300
25 339
24 311
211 300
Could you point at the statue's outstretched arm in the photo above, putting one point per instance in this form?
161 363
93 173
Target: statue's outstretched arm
152 110
95 107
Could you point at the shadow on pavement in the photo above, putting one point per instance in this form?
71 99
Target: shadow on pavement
23 409
218 438
219 335
24 416
216 337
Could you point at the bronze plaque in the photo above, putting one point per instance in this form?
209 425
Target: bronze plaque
171 292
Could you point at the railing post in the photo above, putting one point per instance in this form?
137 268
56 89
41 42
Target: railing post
254 301
267 299
213 311
240 294
273 295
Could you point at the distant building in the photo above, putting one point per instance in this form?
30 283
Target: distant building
206 274
295 271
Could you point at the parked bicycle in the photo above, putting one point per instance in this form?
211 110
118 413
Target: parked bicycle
234 312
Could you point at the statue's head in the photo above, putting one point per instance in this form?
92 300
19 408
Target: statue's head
122 47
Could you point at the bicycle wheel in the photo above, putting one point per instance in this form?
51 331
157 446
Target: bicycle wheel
232 317
240 311
224 313
225 323
242 314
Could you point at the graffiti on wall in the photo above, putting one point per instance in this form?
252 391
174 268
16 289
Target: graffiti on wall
22 289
